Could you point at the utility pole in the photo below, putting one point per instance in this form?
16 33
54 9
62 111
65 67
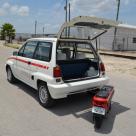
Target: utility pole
69 19
66 16
35 28
69 12
43 31
117 18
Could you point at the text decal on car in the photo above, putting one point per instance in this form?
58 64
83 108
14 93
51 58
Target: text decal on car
30 63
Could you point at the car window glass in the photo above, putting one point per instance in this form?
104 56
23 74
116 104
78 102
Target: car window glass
29 49
66 49
84 51
43 51
20 53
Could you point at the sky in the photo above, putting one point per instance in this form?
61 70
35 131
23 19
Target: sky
51 15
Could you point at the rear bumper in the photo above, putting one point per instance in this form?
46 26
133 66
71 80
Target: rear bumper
58 91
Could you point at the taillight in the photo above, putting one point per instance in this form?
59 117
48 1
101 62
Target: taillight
100 104
57 72
102 68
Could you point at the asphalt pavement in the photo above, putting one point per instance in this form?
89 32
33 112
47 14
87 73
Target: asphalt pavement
21 114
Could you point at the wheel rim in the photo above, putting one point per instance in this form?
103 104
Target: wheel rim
9 74
43 95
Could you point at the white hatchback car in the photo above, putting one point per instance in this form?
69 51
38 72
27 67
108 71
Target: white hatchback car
58 67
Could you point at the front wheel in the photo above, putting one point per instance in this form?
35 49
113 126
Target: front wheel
10 76
44 97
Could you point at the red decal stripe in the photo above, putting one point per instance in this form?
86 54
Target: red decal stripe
24 61
33 64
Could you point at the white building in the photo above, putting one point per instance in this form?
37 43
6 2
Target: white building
125 39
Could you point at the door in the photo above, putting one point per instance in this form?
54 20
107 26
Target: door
41 63
24 59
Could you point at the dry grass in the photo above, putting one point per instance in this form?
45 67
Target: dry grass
15 46
121 65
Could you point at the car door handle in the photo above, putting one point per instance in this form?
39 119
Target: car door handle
29 63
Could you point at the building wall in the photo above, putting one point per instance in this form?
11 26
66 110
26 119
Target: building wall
124 40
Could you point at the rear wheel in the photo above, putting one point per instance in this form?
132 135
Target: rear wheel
98 122
10 76
44 97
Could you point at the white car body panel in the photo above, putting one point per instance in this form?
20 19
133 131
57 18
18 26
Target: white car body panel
65 89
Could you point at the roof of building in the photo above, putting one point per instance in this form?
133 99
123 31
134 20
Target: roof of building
44 39
127 26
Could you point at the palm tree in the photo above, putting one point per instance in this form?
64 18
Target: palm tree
7 32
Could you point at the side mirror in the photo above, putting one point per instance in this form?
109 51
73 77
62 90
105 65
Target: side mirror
15 53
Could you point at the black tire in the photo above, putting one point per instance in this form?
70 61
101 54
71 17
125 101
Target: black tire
97 122
44 96
10 76
110 107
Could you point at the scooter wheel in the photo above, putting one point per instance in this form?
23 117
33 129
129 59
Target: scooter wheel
97 122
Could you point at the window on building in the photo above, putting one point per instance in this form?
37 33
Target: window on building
134 40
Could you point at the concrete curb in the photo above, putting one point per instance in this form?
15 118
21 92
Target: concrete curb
118 55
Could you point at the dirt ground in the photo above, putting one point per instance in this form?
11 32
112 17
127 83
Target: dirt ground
121 65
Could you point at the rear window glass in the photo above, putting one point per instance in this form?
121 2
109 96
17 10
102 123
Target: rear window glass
80 32
71 50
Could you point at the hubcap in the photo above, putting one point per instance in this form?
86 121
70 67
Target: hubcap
43 94
9 74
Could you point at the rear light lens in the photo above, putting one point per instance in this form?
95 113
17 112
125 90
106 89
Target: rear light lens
57 72
100 104
102 68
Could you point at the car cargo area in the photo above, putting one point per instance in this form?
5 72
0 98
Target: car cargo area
77 61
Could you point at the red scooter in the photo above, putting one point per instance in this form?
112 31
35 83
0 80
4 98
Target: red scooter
101 105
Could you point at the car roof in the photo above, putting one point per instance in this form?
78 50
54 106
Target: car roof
43 39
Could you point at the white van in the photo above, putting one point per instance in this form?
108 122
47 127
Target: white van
59 67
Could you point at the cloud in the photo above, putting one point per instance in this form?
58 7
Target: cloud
23 11
6 5
95 6
2 12
14 9
7 9
92 6
126 2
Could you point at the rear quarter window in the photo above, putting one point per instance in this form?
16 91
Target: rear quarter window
43 51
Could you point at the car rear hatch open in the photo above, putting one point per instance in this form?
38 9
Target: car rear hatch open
85 28
76 56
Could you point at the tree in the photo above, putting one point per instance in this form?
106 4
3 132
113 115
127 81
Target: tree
7 31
